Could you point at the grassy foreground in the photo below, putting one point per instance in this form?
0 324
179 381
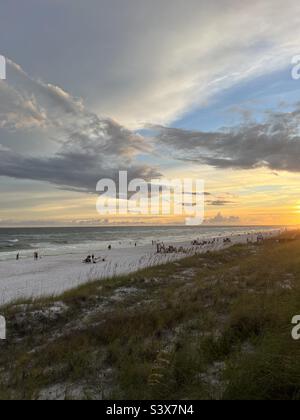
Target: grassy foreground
215 326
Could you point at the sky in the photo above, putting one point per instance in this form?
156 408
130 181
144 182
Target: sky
162 89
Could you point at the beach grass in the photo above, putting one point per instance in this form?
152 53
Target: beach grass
213 326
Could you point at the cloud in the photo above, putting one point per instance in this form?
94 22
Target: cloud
74 171
86 148
274 143
150 61
219 203
219 219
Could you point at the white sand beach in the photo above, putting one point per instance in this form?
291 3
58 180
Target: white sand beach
53 275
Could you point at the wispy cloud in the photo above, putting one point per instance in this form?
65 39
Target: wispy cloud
274 143
219 203
151 61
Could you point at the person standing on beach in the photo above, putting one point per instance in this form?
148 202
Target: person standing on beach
18 256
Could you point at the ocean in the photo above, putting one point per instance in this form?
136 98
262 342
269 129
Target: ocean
71 240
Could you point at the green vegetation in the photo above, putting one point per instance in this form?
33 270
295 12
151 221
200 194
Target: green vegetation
215 326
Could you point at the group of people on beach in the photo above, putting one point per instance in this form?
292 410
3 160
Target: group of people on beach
198 242
161 248
91 259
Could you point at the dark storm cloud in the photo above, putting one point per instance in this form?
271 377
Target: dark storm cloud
274 143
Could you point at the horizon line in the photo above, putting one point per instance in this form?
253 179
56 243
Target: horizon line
146 225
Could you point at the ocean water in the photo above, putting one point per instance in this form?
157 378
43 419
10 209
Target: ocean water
59 241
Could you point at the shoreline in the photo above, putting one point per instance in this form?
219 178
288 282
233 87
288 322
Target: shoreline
54 275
